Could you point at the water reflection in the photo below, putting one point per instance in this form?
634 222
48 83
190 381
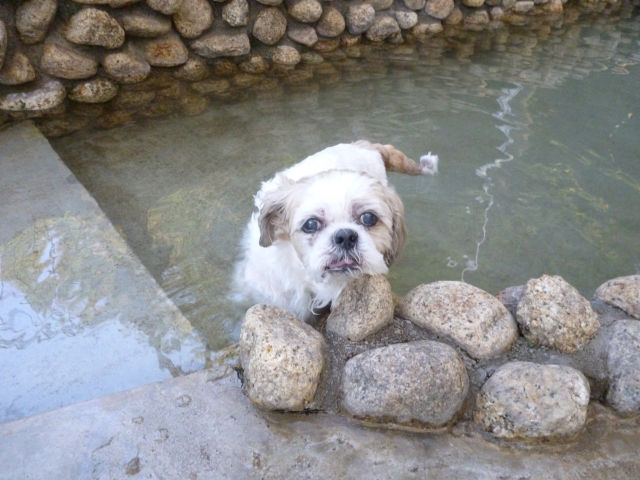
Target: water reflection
77 322
556 102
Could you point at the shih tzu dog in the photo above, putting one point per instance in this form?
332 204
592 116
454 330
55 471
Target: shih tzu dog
323 223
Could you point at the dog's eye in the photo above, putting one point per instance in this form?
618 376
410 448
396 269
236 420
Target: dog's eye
311 225
368 219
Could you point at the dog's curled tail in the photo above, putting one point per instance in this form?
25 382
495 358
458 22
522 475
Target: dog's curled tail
396 161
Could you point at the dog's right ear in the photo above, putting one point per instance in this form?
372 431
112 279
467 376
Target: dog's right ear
273 219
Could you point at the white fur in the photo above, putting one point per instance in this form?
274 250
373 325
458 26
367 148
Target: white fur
335 185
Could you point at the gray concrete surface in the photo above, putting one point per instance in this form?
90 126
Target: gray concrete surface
80 316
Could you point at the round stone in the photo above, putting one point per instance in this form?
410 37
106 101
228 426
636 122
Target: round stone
270 26
193 70
476 20
165 51
17 69
623 293
63 62
360 18
473 3
168 7
406 20
439 9
97 90
91 26
126 66
331 23
284 55
255 64
305 11
193 17
380 4
236 13
282 359
470 317
415 4
302 34
552 313
523 400
362 309
33 18
383 27
427 26
420 383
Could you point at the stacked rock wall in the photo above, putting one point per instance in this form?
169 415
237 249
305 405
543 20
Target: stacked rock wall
61 54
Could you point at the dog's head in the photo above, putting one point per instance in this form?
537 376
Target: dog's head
339 222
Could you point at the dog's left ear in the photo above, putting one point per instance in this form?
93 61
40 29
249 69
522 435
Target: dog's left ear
273 219
398 227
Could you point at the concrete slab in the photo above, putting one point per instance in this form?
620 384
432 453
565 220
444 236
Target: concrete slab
80 317
202 426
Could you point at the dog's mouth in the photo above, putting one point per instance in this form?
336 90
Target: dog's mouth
347 264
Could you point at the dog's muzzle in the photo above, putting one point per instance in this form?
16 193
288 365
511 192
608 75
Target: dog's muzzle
345 242
345 239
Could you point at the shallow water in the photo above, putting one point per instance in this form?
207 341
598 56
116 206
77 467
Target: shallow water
537 134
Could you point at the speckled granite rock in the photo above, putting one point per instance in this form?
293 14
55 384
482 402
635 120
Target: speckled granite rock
472 318
96 90
165 51
383 27
236 13
523 400
305 11
67 63
126 66
331 23
622 292
285 55
91 26
193 17
359 18
270 26
168 7
222 43
379 4
145 23
552 313
48 96
16 70
414 4
423 382
406 19
193 70
439 9
302 33
427 26
623 367
363 308
33 18
282 359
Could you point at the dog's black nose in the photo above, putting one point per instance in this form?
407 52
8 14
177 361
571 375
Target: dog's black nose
345 238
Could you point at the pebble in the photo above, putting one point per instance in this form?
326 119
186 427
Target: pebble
222 43
623 293
415 4
236 13
192 70
302 33
168 7
305 11
473 319
285 55
139 22
359 18
379 4
424 382
363 308
523 400
383 27
553 314
165 51
282 359
331 23
16 70
439 9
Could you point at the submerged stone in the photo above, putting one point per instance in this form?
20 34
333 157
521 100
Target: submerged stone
472 318
17 69
523 400
46 97
282 359
419 383
97 90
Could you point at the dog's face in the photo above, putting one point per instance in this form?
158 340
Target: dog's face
339 222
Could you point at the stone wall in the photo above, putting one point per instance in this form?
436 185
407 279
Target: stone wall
78 55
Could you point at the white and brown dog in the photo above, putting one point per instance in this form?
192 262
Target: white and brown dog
322 223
